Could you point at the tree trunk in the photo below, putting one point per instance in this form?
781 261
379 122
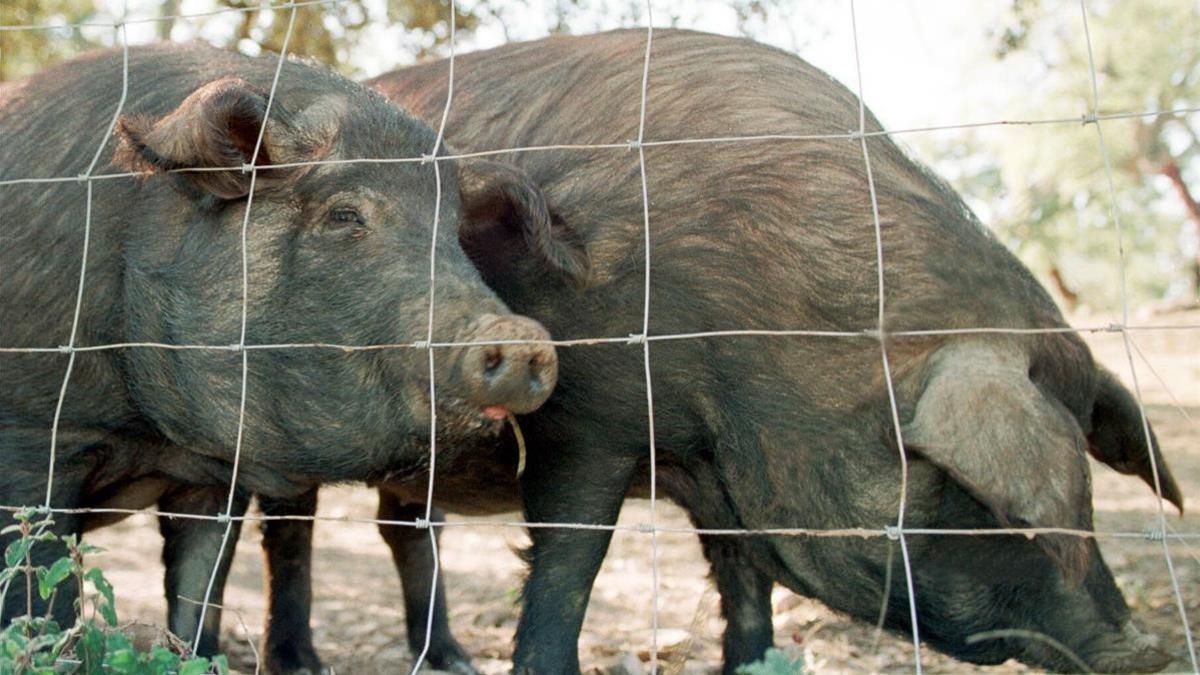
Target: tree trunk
167 11
1070 297
1170 169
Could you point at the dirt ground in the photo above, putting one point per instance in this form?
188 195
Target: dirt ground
357 614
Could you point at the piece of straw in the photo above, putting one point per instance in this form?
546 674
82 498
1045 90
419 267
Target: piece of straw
512 421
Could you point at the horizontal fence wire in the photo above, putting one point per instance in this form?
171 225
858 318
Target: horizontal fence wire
635 339
625 146
888 531
227 535
1160 533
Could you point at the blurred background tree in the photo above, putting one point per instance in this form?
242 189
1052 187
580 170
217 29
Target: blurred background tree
1048 194
333 32
1042 188
329 32
23 52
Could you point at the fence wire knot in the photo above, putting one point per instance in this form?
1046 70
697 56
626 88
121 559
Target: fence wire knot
247 168
426 158
635 144
1088 118
892 532
223 518
421 344
645 528
1154 534
421 523
82 177
1114 328
65 349
636 339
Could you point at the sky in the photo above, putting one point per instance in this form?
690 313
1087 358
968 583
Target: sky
924 63
904 45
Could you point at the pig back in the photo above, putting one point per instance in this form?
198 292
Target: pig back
778 232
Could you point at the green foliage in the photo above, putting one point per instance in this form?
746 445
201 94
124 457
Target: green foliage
774 662
328 32
1047 186
24 52
37 645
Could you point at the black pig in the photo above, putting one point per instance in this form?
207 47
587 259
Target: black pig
338 253
766 431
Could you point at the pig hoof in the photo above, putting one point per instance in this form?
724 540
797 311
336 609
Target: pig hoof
303 662
303 670
457 663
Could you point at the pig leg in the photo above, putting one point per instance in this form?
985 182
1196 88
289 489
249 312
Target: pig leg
23 483
571 483
745 601
287 546
744 589
414 561
190 551
19 598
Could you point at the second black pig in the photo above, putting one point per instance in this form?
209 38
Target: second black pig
757 432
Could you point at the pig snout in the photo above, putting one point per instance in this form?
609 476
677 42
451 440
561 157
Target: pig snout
504 378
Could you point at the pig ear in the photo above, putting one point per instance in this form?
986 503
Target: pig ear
1118 438
997 435
218 125
505 218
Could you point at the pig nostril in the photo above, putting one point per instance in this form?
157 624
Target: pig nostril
492 361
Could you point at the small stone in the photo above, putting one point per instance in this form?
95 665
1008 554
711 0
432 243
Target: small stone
670 641
496 617
625 664
392 655
144 636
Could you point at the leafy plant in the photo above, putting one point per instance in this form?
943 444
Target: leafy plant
774 662
96 644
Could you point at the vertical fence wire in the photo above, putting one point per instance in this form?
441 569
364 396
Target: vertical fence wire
645 343
887 369
252 167
892 533
437 218
121 30
1118 230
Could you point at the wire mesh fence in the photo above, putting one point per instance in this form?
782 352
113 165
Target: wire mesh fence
897 530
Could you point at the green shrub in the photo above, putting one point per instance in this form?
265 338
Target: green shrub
774 662
96 644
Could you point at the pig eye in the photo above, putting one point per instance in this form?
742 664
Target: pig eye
345 216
